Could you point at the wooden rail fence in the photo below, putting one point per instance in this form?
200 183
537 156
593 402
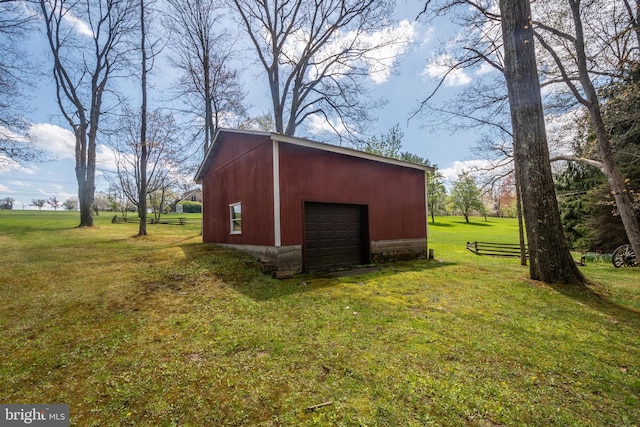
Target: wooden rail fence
496 249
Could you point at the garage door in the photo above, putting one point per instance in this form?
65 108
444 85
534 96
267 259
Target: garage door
334 235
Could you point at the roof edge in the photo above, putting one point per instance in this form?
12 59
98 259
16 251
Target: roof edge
347 151
303 142
205 160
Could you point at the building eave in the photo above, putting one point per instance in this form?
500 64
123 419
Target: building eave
302 142
213 147
347 151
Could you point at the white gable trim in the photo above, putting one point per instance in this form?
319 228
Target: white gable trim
304 143
276 195
345 151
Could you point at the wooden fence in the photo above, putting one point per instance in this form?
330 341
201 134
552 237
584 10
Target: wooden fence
496 249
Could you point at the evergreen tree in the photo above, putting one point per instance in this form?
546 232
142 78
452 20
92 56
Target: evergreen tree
589 215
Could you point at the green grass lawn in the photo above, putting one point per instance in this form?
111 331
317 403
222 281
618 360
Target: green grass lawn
162 330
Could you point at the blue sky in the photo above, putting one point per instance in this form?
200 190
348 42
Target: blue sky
403 89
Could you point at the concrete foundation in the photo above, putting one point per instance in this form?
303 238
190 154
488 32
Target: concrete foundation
395 250
277 260
285 261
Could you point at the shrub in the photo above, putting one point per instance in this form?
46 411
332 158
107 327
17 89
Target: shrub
191 207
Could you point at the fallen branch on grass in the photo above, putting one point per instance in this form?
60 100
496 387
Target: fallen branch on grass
319 405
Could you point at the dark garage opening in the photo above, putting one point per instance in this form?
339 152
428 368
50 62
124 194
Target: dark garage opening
335 235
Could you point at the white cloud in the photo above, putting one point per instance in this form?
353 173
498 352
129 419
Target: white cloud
54 139
62 143
105 157
318 125
8 164
483 170
394 42
452 173
382 47
11 135
440 66
64 195
78 24
484 68
428 35
5 189
562 132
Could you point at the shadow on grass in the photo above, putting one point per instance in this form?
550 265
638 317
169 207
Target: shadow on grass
595 297
244 273
440 224
476 224
24 230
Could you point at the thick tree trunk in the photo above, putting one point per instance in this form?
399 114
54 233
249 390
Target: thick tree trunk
521 234
550 259
86 187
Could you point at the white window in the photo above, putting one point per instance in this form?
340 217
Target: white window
235 213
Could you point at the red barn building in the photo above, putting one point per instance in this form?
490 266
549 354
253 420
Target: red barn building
300 205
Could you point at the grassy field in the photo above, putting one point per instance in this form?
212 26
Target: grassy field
163 330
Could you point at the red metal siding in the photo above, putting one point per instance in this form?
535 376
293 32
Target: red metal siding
241 171
395 195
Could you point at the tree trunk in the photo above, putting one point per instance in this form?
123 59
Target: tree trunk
550 259
521 235
616 181
274 86
86 186
208 110
621 195
144 153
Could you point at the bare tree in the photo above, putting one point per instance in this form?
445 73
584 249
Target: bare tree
262 121
86 39
148 52
14 77
315 54
163 155
208 84
144 150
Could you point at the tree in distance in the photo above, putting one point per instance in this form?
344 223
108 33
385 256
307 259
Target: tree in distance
465 195
39 203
